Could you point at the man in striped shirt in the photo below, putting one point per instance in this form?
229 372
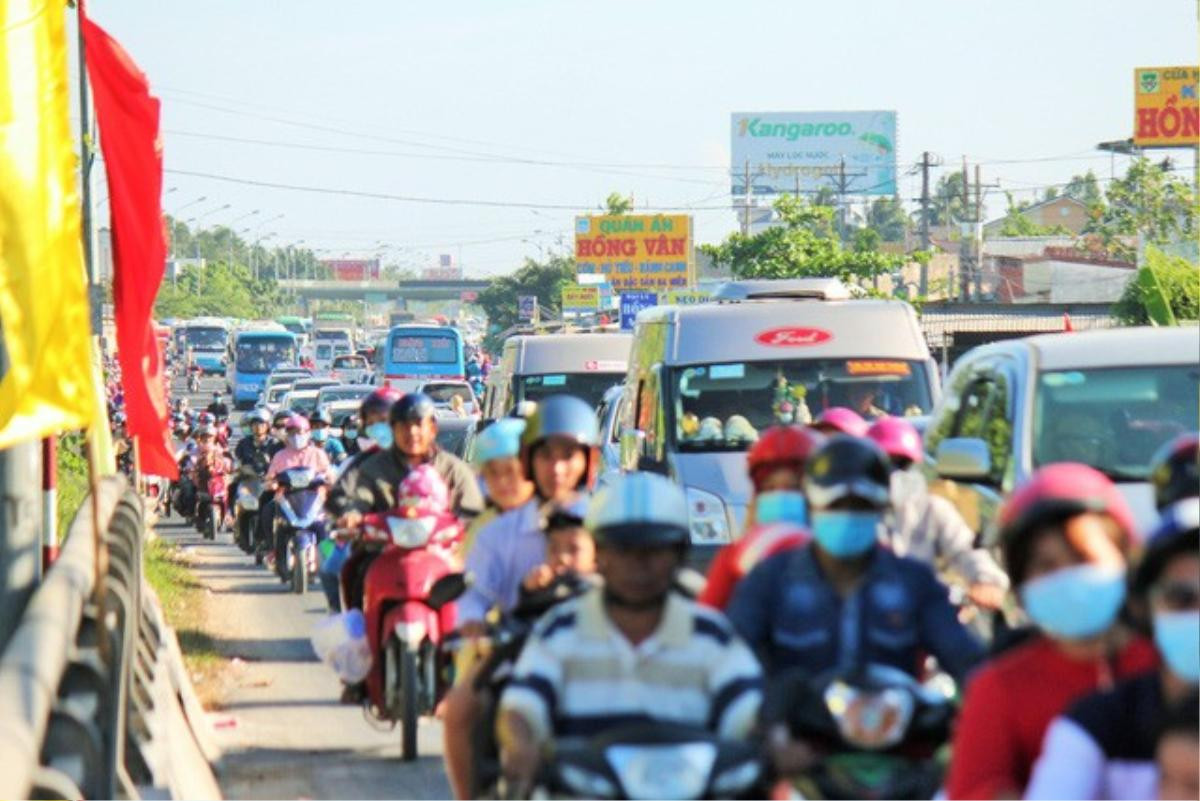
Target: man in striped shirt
632 650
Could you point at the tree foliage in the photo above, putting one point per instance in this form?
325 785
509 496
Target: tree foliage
1148 202
1016 223
886 217
1177 279
224 244
946 205
218 290
543 279
616 203
804 244
1085 188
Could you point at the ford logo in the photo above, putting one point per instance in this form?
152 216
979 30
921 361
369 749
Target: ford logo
793 337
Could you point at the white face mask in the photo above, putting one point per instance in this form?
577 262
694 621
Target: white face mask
298 440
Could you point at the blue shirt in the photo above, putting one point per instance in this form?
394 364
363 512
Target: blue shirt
789 612
504 552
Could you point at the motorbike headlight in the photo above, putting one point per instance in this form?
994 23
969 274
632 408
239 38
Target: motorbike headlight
869 720
736 781
411 532
707 518
663 771
585 783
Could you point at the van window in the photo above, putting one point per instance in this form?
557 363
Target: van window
724 406
588 386
647 410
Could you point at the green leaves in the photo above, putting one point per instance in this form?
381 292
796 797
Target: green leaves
805 245
1149 202
542 279
1167 290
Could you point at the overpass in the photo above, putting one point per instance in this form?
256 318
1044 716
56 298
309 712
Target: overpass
381 291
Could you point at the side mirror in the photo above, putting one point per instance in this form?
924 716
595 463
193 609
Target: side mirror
446 589
964 459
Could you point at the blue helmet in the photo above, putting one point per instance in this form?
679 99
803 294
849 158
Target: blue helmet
500 440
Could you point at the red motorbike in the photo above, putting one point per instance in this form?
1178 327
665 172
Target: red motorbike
210 504
404 625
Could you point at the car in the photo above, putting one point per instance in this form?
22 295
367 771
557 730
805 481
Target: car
608 413
301 401
351 368
1105 398
455 433
342 411
442 391
272 400
286 375
315 383
344 392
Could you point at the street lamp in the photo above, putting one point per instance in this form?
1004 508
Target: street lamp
189 204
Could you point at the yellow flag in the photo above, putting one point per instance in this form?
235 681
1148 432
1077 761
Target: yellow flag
46 378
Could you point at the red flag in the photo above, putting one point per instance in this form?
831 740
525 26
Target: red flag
127 117
1067 322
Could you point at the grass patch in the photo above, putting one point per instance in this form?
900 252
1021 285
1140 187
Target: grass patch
183 601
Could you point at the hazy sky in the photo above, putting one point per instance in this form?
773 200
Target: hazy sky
556 103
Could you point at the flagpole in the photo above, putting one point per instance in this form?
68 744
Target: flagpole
86 158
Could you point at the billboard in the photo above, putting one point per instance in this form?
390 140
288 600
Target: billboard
636 251
632 303
802 151
1165 110
353 269
581 298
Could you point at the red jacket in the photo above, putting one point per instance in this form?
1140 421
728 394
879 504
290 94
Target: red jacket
737 559
1009 704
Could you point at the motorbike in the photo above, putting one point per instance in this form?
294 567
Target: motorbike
879 732
210 505
654 760
193 380
249 488
183 490
299 522
405 625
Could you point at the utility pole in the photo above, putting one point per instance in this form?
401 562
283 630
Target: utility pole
926 163
746 203
842 186
86 159
977 236
964 242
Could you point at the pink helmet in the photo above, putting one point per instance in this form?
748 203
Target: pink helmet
296 422
424 491
898 438
839 419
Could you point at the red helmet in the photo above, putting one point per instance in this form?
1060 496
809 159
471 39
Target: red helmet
781 446
839 419
1053 494
898 438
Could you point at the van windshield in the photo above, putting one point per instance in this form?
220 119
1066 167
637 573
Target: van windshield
588 386
724 407
1113 419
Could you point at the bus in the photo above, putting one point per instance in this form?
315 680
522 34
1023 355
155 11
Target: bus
297 325
255 355
414 354
208 339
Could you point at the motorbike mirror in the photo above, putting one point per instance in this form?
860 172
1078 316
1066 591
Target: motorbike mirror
446 589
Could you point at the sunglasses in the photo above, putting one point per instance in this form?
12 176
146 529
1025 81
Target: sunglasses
1178 596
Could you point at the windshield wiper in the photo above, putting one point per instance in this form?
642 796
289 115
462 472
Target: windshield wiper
1117 474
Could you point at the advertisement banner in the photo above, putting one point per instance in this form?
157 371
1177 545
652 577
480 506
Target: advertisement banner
1165 108
802 152
527 308
580 298
687 297
353 269
632 303
636 251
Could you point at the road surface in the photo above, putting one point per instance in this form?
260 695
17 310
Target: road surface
282 730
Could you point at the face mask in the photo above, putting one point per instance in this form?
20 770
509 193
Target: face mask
844 535
781 506
1076 602
298 441
351 433
381 432
320 435
1177 635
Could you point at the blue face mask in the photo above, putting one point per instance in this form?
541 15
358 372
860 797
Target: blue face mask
781 506
320 434
381 432
1075 603
351 433
1177 635
845 535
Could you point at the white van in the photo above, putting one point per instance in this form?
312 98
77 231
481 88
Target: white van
704 380
534 366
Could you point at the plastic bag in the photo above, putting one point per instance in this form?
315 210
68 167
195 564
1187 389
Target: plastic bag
333 556
340 641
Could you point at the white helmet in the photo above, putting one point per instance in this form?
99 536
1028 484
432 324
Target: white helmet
638 509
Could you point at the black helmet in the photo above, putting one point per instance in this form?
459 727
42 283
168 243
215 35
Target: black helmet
381 400
281 417
1177 532
847 467
413 407
1175 470
568 514
321 415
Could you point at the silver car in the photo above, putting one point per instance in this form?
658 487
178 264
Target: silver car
1108 399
